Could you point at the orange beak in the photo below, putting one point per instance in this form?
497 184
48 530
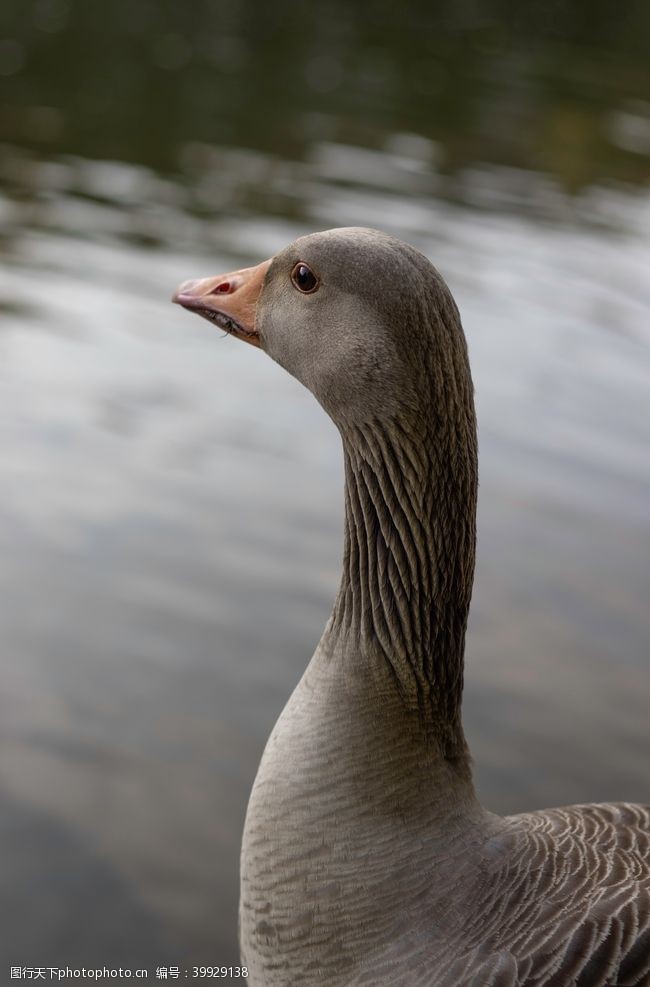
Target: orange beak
229 300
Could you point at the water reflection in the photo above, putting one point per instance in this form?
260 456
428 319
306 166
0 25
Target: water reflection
563 91
171 501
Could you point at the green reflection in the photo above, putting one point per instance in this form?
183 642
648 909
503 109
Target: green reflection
560 88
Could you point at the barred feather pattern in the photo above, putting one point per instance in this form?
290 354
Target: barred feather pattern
569 908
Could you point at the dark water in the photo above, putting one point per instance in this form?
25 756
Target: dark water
170 506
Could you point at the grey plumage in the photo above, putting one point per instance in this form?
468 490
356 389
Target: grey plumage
367 858
570 904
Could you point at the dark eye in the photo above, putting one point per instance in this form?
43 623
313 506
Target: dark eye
304 278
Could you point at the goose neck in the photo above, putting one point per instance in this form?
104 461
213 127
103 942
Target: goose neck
410 509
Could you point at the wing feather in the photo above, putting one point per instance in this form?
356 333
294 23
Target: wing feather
569 906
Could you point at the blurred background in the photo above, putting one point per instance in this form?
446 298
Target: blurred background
171 501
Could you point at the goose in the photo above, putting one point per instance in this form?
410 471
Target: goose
367 858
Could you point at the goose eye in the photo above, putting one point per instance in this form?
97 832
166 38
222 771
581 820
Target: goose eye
304 278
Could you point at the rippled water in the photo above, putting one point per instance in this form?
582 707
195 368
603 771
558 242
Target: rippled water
171 501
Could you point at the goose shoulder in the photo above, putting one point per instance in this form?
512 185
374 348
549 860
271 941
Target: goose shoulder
568 902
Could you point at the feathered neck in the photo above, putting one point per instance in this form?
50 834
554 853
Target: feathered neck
410 531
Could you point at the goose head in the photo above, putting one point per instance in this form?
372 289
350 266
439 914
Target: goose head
360 318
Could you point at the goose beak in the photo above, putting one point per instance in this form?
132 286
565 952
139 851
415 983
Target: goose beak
229 300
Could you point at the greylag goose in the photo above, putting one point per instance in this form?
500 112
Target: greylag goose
367 857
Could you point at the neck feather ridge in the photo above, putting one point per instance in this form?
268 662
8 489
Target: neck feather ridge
410 522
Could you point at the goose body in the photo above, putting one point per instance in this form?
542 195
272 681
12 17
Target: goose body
367 858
